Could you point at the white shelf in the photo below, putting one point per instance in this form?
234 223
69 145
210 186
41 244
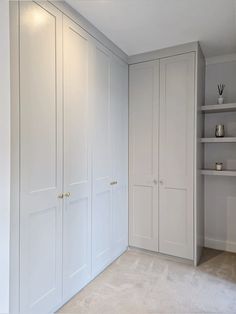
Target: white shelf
219 108
209 172
218 140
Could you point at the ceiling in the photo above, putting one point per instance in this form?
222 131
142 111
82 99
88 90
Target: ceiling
138 26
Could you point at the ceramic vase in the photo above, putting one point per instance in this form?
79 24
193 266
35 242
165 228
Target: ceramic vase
220 100
219 166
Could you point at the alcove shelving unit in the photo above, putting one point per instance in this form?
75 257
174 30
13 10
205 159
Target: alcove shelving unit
212 109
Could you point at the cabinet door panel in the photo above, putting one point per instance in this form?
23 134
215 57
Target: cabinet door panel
101 208
40 157
143 160
119 131
176 155
77 161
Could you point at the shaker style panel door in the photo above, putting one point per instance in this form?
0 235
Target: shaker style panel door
119 131
143 160
101 159
40 157
176 155
77 160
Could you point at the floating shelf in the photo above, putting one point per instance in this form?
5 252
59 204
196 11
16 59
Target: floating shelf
218 140
228 173
219 108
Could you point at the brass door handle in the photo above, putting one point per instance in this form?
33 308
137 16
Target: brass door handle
113 182
61 195
67 194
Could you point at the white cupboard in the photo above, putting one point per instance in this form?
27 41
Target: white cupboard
40 157
73 157
77 57
143 154
110 156
102 167
176 151
162 155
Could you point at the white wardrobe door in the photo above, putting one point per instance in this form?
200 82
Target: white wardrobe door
77 160
40 157
143 160
119 131
101 204
176 155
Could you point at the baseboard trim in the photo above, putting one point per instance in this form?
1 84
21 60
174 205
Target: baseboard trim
162 256
220 245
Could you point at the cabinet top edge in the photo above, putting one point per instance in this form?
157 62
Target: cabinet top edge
164 53
79 19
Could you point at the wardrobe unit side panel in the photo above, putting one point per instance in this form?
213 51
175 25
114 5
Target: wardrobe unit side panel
15 159
5 157
119 142
199 162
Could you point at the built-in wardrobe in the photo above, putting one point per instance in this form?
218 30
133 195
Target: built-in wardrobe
166 92
70 169
70 146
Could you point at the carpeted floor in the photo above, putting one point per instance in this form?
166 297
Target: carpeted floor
145 283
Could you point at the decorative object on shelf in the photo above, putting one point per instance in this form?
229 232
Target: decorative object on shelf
221 88
219 166
220 130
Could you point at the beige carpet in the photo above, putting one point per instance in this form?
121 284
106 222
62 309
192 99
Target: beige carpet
145 283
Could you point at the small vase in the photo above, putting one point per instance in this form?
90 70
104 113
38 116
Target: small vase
220 100
219 130
219 166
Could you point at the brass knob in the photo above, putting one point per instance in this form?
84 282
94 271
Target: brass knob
67 194
113 182
61 195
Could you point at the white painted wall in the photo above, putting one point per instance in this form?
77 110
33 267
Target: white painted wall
220 192
4 155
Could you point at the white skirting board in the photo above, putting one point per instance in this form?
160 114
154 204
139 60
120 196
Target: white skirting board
220 245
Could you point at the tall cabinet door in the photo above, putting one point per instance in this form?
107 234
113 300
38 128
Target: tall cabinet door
119 131
77 159
176 155
102 193
143 160
40 157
